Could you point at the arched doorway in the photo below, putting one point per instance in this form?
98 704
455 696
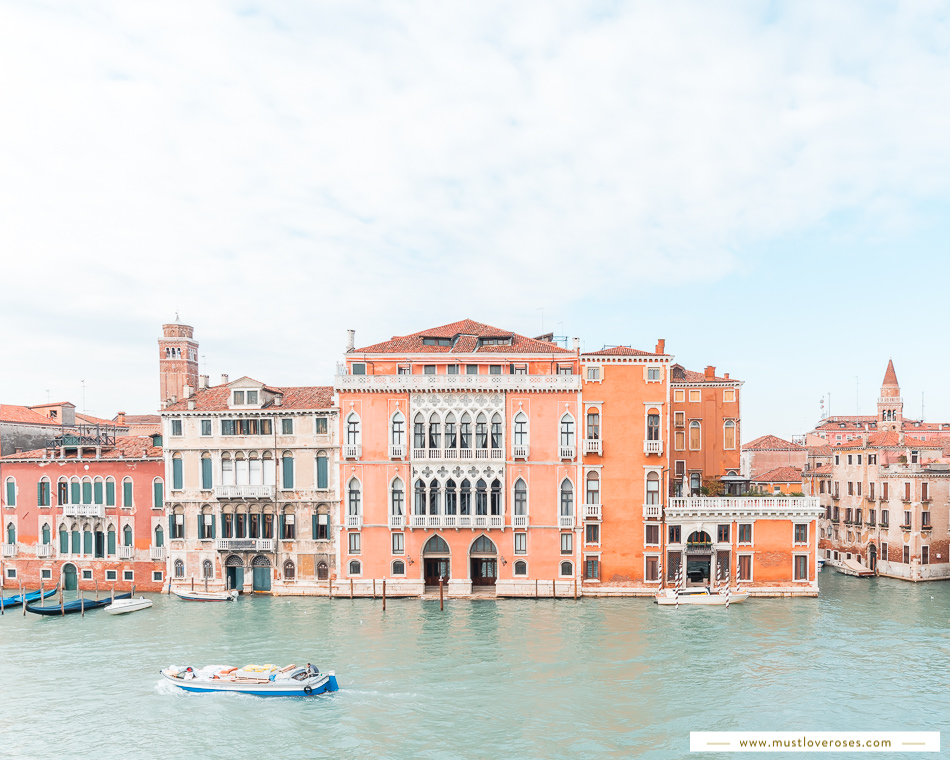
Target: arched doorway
872 557
698 558
69 577
483 559
262 573
436 561
234 569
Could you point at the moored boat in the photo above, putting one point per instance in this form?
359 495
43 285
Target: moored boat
207 596
77 605
30 596
671 597
851 567
121 606
259 680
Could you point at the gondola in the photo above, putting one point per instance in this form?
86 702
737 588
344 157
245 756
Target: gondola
30 596
78 605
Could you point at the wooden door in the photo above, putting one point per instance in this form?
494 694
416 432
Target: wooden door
484 571
436 567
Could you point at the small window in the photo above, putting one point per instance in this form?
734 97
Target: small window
252 397
565 369
128 575
729 395
11 572
567 569
287 426
46 574
521 567
404 369
801 533
801 567
112 575
695 396
494 369
354 543
452 369
471 369
567 543
593 373
355 567
592 534
238 398
359 369
674 535
321 423
521 543
87 575
399 567
745 533
652 535
653 374
176 427
179 569
722 534
157 576
206 427
428 369
679 396
592 568
399 543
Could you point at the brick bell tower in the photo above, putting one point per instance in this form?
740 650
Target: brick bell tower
890 405
177 361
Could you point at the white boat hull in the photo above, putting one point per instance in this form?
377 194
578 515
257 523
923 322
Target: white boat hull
207 596
667 597
319 684
121 606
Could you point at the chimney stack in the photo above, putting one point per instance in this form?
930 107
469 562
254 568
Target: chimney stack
224 379
202 381
191 405
279 399
188 391
120 418
726 376
660 346
710 373
577 345
350 340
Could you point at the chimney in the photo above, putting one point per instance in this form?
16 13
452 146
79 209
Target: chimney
577 345
173 399
120 418
188 391
202 381
279 399
224 379
660 346
191 405
350 340
710 373
726 376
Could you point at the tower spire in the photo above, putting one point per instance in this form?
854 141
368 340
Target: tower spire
890 405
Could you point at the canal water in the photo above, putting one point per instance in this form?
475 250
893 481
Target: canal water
483 679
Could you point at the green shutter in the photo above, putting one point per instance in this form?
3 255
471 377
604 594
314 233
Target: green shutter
288 475
321 472
158 500
110 493
281 528
313 526
39 493
111 549
127 493
46 535
97 492
86 492
76 543
74 492
206 473
212 526
11 534
200 533
63 542
159 536
87 541
171 526
11 493
127 536
176 474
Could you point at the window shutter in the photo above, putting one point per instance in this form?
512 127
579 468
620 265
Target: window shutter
288 474
282 521
39 493
171 526
313 524
11 493
322 472
110 493
75 541
212 526
159 537
63 542
97 490
87 542
87 492
74 493
111 542
157 496
127 493
46 535
176 474
206 474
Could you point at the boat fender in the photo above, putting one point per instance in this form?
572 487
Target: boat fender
308 690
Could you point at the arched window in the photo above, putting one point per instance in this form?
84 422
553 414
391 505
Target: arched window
177 473
435 493
63 540
653 488
465 432
158 494
567 569
397 499
110 491
288 526
451 438
207 569
43 492
481 497
290 571
87 490
227 470
695 483
62 492
419 432
287 470
567 430
729 434
323 571
127 535
436 545
483 545
420 498
398 429
451 497
521 497
435 432
695 435
11 533
207 481
593 488
159 536
593 425
465 498
98 491
323 470
521 567
521 429
496 497
653 425
353 497
353 429
179 568
399 567
496 431
481 432
75 487
47 536
355 567
567 496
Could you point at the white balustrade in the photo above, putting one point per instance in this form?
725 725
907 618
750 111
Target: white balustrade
592 446
497 453
653 447
44 551
481 453
519 521
465 453
418 453
245 544
436 522
566 522
156 553
9 550
354 521
410 383
566 452
244 492
592 511
796 506
126 552
451 453
397 451
397 522
352 450
651 511
519 452
84 510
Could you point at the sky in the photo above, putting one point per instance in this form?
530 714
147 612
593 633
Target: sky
765 185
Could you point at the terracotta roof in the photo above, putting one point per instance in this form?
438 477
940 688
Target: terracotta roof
88 419
890 376
679 374
126 447
771 443
142 419
24 415
464 336
216 398
780 475
621 351
819 451
888 440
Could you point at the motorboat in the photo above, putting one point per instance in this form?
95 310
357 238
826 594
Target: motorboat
701 595
30 596
121 606
207 596
821 563
259 680
77 605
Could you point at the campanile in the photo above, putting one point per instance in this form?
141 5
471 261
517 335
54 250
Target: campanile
177 361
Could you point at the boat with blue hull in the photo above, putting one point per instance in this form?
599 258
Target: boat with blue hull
257 680
77 605
30 596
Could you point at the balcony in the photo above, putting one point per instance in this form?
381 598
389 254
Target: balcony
244 492
84 510
481 453
354 522
592 512
593 446
126 552
653 447
652 511
9 550
788 507
397 451
519 452
44 551
448 383
566 522
519 521
698 547
566 452
351 450
156 553
397 522
244 544
418 453
436 522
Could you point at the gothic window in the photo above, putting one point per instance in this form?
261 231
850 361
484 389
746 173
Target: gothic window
398 429
567 430
567 497
397 499
521 497
521 429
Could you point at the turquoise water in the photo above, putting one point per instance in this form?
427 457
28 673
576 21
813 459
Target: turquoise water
483 679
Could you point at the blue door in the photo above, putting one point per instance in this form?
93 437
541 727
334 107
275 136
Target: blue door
262 579
236 578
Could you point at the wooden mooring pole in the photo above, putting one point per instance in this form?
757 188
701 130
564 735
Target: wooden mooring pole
62 604
554 589
22 599
441 597
374 589
97 589
351 588
384 594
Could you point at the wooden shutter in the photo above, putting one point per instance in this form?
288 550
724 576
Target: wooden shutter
75 541
63 542
157 495
127 493
110 493
176 474
206 473
111 537
322 478
288 473
97 492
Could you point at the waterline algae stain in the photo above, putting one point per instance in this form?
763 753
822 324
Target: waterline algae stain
593 678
